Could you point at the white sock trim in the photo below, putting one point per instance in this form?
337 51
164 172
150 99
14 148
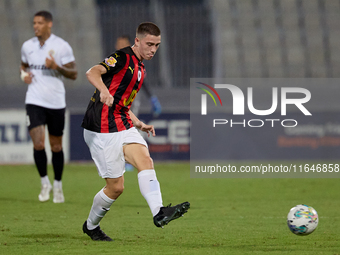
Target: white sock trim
105 197
146 172
45 180
57 184
90 226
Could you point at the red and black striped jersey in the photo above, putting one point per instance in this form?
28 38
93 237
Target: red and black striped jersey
124 78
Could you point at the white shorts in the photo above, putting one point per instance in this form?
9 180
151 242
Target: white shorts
107 150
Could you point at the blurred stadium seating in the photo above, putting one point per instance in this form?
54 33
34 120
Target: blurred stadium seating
248 38
200 39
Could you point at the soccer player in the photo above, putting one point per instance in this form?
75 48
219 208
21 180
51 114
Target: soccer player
45 60
122 42
110 131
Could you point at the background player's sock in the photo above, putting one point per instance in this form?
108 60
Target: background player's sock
57 184
45 181
150 189
40 160
101 205
58 164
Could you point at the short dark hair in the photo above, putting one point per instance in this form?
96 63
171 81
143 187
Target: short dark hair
148 28
47 15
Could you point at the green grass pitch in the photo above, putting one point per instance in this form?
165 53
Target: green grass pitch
227 216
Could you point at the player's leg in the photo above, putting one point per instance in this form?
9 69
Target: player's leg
38 138
36 119
58 167
135 109
55 123
107 153
101 205
103 200
138 155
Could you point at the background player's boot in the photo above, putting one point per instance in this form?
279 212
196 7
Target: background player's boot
45 192
58 195
169 213
96 234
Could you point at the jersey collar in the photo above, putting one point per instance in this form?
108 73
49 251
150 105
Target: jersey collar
52 36
136 56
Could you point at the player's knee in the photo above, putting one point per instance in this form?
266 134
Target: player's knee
119 190
115 190
39 146
56 147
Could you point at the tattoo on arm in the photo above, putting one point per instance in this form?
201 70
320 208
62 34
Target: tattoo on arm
69 70
24 65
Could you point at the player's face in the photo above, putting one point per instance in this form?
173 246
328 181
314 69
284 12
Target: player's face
148 45
41 26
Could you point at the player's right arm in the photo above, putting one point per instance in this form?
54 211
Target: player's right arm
27 79
94 75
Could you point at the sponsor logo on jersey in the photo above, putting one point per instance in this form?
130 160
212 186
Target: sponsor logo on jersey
38 67
111 61
128 101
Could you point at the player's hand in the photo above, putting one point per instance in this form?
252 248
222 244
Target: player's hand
26 77
146 128
106 98
50 63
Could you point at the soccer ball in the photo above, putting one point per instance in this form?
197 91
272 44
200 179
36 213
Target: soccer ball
302 220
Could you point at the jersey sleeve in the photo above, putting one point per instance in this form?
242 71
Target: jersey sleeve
114 62
23 55
66 54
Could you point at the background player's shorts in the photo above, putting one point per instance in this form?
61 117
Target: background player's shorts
107 150
53 118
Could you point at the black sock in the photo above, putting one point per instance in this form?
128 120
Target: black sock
58 164
40 160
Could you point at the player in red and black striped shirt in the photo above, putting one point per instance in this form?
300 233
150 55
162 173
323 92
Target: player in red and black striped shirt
123 77
111 134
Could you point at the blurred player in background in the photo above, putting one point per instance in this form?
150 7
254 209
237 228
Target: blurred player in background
110 131
45 60
122 42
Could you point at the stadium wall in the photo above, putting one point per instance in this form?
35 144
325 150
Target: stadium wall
171 143
318 138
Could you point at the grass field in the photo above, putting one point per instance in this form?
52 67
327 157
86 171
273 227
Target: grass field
227 216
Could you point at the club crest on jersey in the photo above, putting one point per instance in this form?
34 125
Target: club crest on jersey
139 75
111 61
51 53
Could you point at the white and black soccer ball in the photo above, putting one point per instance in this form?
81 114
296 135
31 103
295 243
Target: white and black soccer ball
302 219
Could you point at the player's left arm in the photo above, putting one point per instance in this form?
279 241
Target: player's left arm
68 70
141 125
